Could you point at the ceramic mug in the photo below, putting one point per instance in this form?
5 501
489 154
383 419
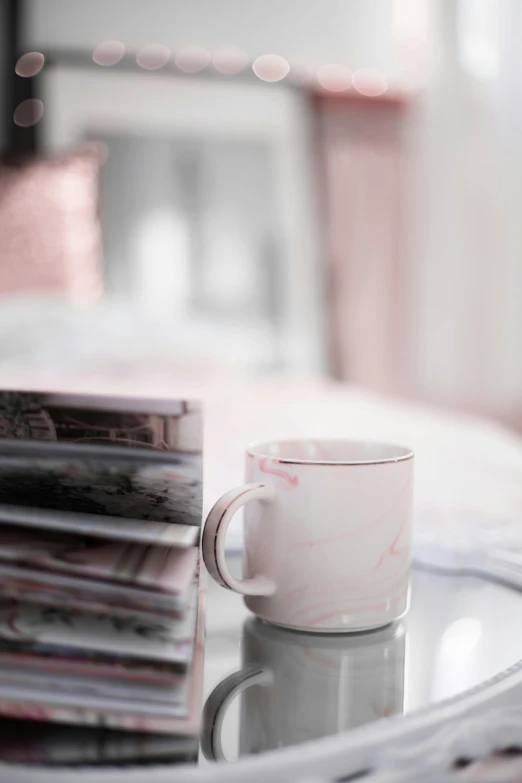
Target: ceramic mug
312 686
327 534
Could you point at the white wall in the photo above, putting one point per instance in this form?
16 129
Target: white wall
467 320
357 33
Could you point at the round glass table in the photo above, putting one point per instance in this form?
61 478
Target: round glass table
268 688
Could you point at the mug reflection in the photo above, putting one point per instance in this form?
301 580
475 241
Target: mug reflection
295 687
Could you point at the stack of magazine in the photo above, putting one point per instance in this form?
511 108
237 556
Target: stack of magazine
101 609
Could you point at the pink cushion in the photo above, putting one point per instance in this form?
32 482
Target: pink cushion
49 230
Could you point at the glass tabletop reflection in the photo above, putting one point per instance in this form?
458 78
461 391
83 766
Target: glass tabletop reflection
267 687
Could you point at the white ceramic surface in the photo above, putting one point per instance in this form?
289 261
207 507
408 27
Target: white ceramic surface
327 533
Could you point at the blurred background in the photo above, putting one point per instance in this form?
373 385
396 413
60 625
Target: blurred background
286 188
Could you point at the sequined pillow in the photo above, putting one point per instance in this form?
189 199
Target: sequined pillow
49 230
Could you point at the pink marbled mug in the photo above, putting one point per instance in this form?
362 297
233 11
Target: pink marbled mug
327 534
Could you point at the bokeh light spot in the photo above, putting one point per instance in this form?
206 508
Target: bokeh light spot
153 56
271 67
369 82
230 60
192 59
334 77
28 112
30 64
108 53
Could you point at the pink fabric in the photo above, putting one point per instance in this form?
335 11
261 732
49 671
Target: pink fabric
363 161
49 231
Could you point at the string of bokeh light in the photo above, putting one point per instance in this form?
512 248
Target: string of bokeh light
271 67
29 64
192 59
334 77
108 53
153 57
229 61
30 111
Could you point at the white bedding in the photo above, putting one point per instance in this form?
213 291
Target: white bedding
464 466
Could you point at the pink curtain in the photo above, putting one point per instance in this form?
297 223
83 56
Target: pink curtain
50 238
363 165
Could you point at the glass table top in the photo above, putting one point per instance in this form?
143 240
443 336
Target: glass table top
281 688
267 688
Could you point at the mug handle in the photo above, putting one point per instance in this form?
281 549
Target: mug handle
218 702
214 534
